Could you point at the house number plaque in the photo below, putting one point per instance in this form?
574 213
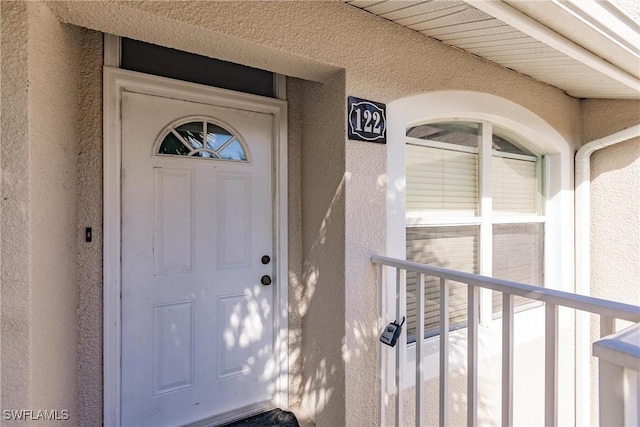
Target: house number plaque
367 120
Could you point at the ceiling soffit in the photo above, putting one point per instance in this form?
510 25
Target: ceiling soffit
522 43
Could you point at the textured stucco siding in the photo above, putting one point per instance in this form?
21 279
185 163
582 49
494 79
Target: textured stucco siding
337 189
89 211
54 70
41 68
615 211
296 293
16 295
615 201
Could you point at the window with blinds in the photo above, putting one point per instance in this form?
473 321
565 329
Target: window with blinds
450 247
450 198
518 256
441 180
514 185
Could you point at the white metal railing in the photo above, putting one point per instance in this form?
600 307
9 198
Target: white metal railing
607 310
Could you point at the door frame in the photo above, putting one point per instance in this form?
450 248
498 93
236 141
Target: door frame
115 82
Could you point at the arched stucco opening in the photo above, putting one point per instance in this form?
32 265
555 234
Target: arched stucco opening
443 106
449 105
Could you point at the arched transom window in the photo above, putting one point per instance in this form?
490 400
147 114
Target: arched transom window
202 138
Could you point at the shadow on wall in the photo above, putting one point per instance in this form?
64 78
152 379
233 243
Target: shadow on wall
318 385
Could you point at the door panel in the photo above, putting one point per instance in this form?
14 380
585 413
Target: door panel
197 324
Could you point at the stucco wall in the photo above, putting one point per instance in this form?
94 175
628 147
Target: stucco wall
323 264
615 201
342 190
16 296
295 89
615 210
89 211
39 145
54 69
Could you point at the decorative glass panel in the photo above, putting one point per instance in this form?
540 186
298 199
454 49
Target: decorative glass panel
188 139
216 136
233 151
204 153
172 145
192 133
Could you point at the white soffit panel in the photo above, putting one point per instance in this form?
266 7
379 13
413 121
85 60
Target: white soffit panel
568 53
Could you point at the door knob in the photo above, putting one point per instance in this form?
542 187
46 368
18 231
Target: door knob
265 280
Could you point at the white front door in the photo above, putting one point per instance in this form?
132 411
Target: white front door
197 242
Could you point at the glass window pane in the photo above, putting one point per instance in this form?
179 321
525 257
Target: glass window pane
442 181
455 248
514 186
465 134
234 151
172 145
508 142
192 133
219 143
518 256
216 136
204 154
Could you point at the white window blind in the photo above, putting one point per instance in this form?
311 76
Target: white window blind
440 180
518 255
450 247
514 185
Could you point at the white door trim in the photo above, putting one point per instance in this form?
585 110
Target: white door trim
115 81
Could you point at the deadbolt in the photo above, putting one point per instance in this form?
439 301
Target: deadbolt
265 259
265 280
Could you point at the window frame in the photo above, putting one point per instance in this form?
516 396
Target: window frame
450 105
486 217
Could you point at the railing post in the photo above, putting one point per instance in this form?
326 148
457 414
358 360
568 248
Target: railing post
607 326
507 359
472 357
551 365
420 352
444 353
619 361
401 346
610 383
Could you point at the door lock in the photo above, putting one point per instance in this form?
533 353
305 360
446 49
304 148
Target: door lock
265 280
391 333
266 259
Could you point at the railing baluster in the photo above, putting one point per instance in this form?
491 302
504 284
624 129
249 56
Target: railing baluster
401 346
507 359
551 365
382 359
444 353
420 352
472 357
